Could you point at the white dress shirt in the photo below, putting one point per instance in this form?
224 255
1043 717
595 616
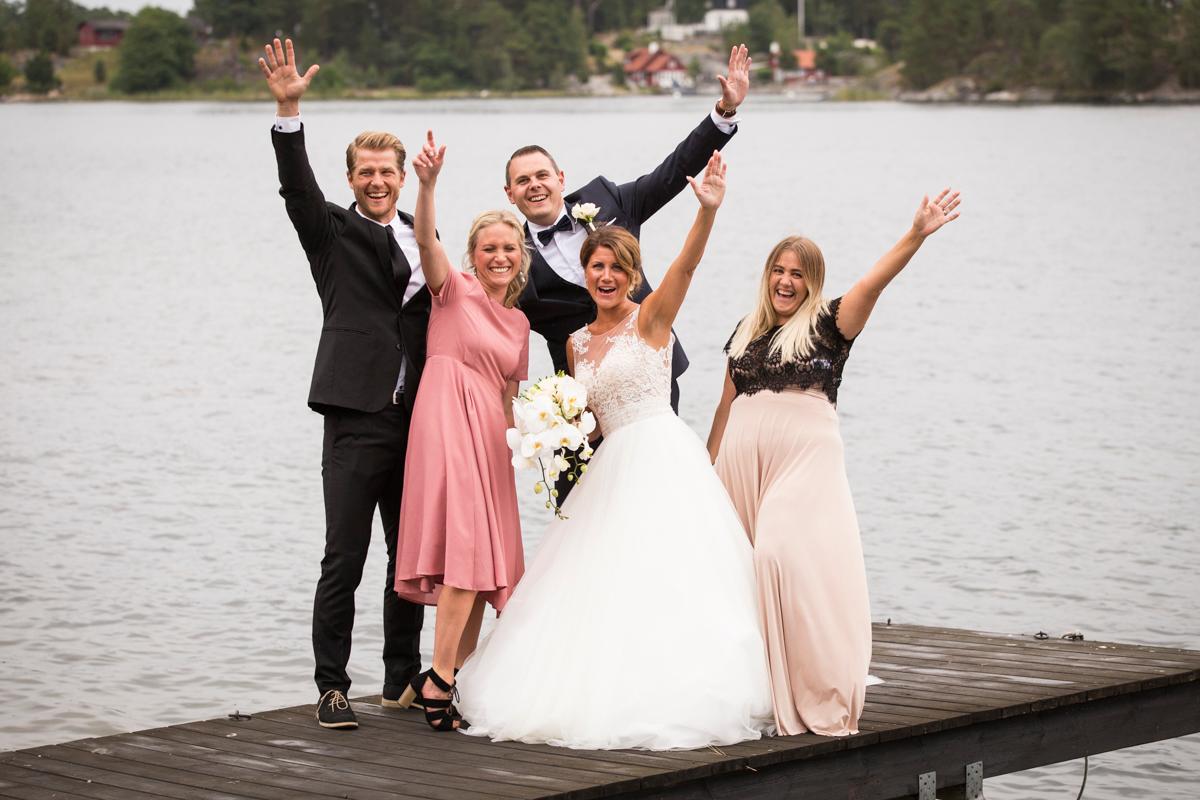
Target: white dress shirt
405 237
562 252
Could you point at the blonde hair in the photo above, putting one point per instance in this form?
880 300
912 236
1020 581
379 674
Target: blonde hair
627 253
487 218
375 140
794 340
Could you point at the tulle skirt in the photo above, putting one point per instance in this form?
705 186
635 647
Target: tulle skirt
636 624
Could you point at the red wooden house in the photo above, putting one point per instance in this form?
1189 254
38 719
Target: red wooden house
102 32
654 68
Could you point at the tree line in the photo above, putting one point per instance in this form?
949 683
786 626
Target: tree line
1078 47
1081 48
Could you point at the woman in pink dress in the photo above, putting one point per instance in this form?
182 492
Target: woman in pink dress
460 533
777 447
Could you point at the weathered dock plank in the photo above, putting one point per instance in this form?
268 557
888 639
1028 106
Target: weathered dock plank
950 698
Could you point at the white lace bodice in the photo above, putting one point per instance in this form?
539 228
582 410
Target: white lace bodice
626 379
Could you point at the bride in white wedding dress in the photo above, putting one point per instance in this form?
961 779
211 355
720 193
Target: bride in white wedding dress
636 624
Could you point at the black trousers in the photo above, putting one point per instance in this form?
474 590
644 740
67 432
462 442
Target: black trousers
362 467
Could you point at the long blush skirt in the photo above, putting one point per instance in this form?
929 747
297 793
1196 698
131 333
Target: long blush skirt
782 462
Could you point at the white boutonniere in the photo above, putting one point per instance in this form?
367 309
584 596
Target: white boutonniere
586 213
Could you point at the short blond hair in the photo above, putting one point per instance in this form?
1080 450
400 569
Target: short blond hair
375 140
627 253
489 218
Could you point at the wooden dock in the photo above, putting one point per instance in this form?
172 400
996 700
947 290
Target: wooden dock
952 699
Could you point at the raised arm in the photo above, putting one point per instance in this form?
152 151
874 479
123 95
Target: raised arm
720 417
305 203
661 306
642 197
284 81
858 303
434 263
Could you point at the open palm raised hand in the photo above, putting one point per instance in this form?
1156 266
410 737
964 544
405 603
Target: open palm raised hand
736 84
931 216
284 81
710 187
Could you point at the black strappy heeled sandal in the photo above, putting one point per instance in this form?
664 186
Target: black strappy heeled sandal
440 713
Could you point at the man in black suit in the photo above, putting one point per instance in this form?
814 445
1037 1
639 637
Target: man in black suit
365 263
555 299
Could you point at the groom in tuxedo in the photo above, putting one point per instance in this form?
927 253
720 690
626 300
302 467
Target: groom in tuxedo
555 300
365 263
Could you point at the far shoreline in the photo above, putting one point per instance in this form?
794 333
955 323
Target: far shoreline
952 92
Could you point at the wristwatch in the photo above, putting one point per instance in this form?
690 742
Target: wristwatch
726 113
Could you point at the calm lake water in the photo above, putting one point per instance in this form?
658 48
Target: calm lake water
1020 417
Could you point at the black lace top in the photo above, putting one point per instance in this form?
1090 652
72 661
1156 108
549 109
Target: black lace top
758 369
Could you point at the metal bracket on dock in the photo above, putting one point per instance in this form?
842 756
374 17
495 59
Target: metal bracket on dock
973 785
927 786
972 788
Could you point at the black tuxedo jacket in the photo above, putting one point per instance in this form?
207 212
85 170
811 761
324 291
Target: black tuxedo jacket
556 308
368 330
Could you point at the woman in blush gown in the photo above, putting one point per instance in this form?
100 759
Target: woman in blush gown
777 445
635 625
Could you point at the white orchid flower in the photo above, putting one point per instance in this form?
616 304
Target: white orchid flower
534 445
565 437
587 423
537 415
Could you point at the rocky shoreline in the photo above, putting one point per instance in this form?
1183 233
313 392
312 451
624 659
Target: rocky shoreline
967 90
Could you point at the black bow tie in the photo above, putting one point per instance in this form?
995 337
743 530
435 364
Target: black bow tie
564 224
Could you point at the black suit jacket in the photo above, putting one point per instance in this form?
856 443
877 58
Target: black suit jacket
368 330
556 308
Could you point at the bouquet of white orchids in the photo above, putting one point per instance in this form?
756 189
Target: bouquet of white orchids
551 433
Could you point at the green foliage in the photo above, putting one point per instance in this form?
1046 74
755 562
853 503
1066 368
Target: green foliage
612 15
1015 33
1114 45
10 26
260 19
51 25
7 73
39 74
888 37
687 11
157 52
440 45
617 73
1086 48
1187 52
768 23
837 56
927 42
100 72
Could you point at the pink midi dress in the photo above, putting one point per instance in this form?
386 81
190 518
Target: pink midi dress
459 524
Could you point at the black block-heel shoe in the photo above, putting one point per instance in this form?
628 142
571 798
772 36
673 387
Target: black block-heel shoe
440 713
